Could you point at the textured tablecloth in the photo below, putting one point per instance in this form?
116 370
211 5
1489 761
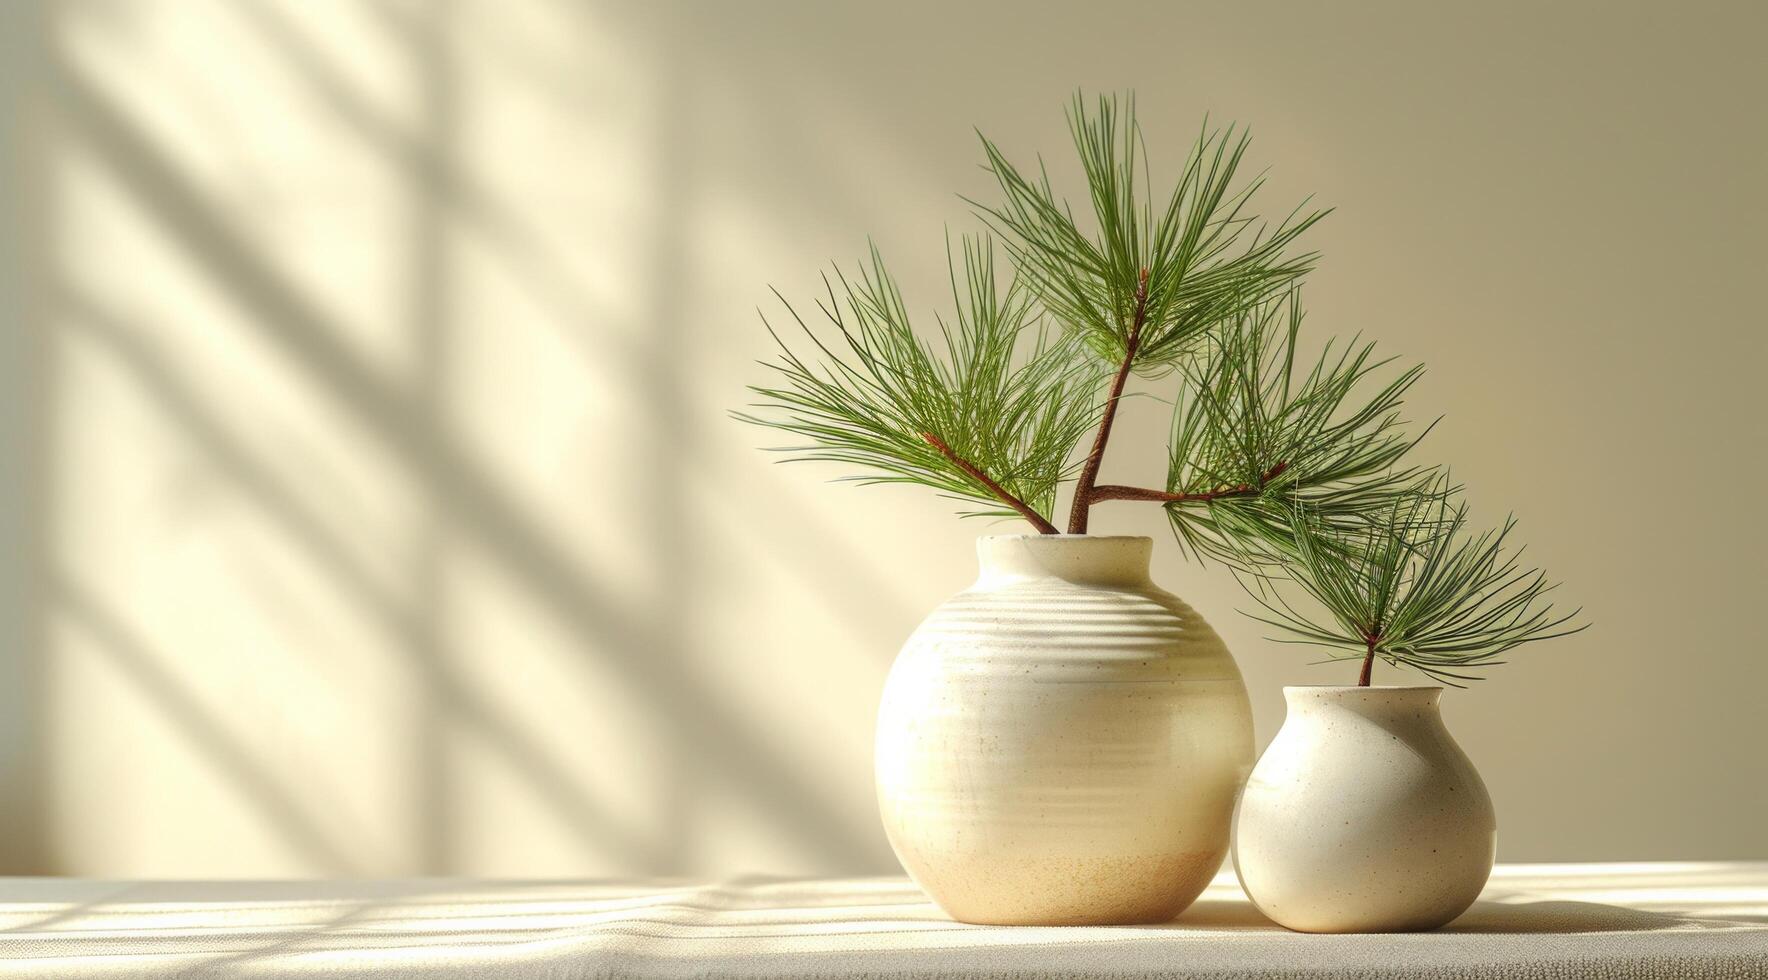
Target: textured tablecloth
1534 921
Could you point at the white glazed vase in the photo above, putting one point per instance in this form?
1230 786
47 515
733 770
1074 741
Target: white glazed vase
1062 742
1363 815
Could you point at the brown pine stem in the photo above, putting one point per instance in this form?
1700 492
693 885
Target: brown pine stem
1368 663
1089 471
1024 509
1112 491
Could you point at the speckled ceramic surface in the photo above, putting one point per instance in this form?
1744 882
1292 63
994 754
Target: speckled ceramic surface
1363 815
1061 743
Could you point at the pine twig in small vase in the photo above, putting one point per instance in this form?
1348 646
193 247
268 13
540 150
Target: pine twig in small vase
1414 588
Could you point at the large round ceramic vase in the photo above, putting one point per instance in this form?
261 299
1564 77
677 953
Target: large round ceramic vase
1061 743
1363 815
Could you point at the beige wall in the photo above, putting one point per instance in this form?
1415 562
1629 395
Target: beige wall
370 506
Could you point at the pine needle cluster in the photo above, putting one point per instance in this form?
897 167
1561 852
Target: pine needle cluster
990 418
1410 586
1257 434
1292 471
1144 284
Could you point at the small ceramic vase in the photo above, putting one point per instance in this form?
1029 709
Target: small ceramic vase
1062 743
1363 815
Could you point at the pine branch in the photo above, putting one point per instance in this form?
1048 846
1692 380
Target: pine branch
1414 588
1251 415
1089 473
1115 492
1141 286
1003 400
1293 473
1037 520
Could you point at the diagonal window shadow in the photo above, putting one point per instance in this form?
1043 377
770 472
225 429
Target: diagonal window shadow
470 206
734 748
475 209
283 806
550 780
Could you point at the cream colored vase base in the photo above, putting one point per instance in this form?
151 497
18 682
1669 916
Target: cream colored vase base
1061 743
1363 815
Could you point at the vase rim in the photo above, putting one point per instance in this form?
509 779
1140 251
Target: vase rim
1348 688
1119 560
1359 698
1064 537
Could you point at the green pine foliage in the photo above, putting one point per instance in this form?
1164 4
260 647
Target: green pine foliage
1201 259
1410 585
1257 434
1293 471
1004 395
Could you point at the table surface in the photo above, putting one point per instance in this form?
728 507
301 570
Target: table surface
1535 921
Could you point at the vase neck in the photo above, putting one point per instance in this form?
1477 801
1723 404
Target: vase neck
1120 562
1368 702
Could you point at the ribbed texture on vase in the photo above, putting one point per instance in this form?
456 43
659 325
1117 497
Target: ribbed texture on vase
1030 622
1053 750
